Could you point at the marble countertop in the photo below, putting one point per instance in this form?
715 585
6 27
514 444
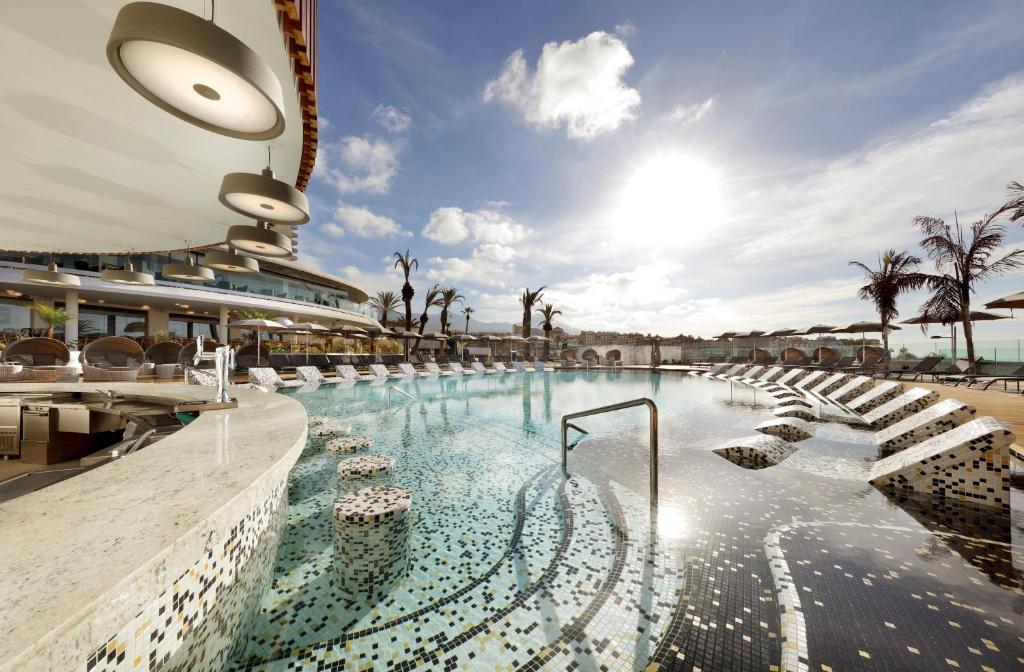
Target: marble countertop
83 556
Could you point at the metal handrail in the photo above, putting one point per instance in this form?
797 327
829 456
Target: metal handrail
400 391
652 441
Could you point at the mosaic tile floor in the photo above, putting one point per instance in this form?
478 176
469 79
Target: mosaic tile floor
796 566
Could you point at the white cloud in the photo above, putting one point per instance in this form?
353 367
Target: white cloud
625 29
691 114
333 230
578 84
358 164
363 223
867 200
392 119
490 264
454 225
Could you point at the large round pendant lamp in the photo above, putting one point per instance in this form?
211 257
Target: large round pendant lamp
264 197
197 71
127 275
231 262
51 276
187 272
259 239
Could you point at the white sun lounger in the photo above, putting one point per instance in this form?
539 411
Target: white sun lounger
348 372
311 374
458 370
479 367
264 376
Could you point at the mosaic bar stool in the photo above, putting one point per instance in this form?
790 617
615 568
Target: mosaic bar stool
371 540
329 429
348 444
364 471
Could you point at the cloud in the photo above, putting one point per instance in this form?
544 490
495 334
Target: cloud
363 223
625 29
453 225
358 165
691 114
392 119
577 84
867 200
491 264
333 230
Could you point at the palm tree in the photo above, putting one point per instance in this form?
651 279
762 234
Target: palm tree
528 299
1016 202
431 300
963 258
54 317
467 311
385 302
548 312
407 262
449 296
896 274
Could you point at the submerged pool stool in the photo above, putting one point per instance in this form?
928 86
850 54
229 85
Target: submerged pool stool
348 444
364 471
329 429
371 540
793 410
756 452
789 429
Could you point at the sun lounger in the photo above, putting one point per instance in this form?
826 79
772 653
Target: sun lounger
926 365
479 367
348 372
501 368
409 371
264 376
458 370
381 372
311 374
432 369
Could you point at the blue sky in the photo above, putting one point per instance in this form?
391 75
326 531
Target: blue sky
662 166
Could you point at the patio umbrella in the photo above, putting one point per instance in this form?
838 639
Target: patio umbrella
138 327
512 338
1012 301
818 329
724 335
308 328
257 325
489 339
863 328
780 332
374 332
951 320
350 332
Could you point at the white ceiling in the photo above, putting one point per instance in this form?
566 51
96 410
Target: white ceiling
91 166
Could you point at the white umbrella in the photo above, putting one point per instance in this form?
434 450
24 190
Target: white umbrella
307 328
257 325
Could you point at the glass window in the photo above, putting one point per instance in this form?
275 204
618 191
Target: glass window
14 316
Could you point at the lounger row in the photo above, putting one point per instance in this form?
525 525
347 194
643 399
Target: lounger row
269 377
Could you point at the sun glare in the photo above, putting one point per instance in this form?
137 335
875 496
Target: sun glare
671 199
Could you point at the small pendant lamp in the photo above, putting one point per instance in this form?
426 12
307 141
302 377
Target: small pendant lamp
261 196
259 239
127 275
51 276
188 271
231 262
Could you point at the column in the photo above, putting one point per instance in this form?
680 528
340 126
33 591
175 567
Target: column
71 306
222 332
158 321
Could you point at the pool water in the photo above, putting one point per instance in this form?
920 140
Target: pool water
802 565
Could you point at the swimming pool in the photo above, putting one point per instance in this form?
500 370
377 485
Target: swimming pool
513 567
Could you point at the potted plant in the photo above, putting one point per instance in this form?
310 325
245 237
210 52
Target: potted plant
54 317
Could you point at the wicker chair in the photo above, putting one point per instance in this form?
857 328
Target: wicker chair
247 357
112 358
165 352
42 359
10 373
189 351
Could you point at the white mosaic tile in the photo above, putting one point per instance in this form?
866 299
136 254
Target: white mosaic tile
788 429
932 421
875 397
756 452
912 401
